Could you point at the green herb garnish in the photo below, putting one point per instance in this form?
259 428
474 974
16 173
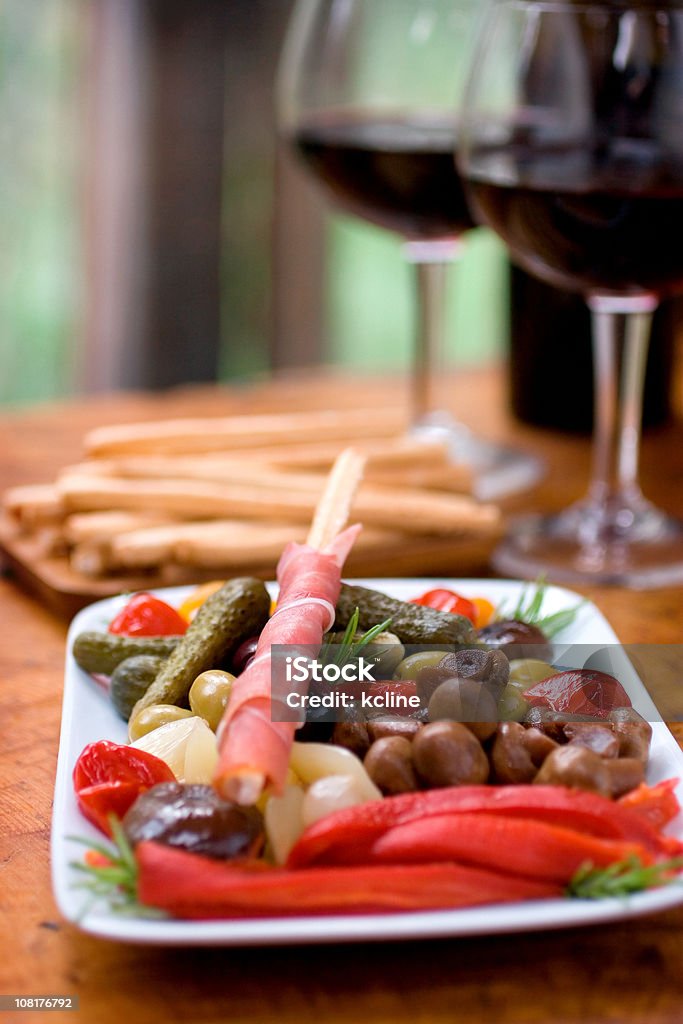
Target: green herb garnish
529 609
622 878
349 649
115 882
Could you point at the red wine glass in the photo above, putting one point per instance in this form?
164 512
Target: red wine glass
368 97
572 148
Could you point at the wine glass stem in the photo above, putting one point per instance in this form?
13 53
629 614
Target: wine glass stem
431 262
621 332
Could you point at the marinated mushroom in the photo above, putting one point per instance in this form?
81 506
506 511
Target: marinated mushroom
552 723
389 763
392 725
597 736
447 754
624 773
510 759
194 817
575 767
633 732
352 734
538 744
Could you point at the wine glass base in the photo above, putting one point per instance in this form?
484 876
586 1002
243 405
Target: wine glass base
577 546
497 470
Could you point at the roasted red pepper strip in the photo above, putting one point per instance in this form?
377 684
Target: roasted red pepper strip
108 778
448 601
347 836
581 691
658 805
188 885
146 615
531 849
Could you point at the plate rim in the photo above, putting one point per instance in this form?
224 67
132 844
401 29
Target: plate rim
491 919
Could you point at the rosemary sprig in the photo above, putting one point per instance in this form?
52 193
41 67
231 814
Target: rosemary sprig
115 882
349 649
529 609
621 878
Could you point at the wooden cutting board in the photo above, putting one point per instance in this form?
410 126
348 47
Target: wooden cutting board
53 581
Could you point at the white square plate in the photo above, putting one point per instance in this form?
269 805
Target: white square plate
88 715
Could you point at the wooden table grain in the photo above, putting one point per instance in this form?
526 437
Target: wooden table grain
626 973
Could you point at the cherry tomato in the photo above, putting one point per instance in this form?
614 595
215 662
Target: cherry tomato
448 601
146 615
580 691
386 691
108 778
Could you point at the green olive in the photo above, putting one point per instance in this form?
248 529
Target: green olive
152 717
526 672
410 666
209 695
386 651
511 705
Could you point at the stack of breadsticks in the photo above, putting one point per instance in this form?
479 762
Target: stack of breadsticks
224 494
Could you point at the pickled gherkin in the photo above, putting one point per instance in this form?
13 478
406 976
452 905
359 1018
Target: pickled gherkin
411 623
238 610
101 652
131 679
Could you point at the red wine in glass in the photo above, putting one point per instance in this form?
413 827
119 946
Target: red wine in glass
369 97
398 174
581 233
571 151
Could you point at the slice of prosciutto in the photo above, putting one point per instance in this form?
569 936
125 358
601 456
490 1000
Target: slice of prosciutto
254 750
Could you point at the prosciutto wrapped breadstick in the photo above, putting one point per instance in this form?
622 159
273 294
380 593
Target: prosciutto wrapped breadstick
254 750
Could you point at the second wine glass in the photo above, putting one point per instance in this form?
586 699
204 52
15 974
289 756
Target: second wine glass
369 97
572 152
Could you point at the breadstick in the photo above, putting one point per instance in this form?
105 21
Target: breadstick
34 505
204 468
220 545
221 433
216 544
411 511
394 451
222 469
85 527
332 510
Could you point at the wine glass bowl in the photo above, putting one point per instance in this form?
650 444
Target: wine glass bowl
572 149
369 98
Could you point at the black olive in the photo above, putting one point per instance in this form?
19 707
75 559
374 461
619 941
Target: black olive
491 668
517 639
243 655
318 727
195 818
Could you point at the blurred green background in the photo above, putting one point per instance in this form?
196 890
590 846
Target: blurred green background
40 275
367 307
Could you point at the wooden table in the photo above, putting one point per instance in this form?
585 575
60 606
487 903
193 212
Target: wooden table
617 973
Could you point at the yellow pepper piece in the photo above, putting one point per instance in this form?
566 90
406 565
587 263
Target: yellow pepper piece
194 601
485 611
